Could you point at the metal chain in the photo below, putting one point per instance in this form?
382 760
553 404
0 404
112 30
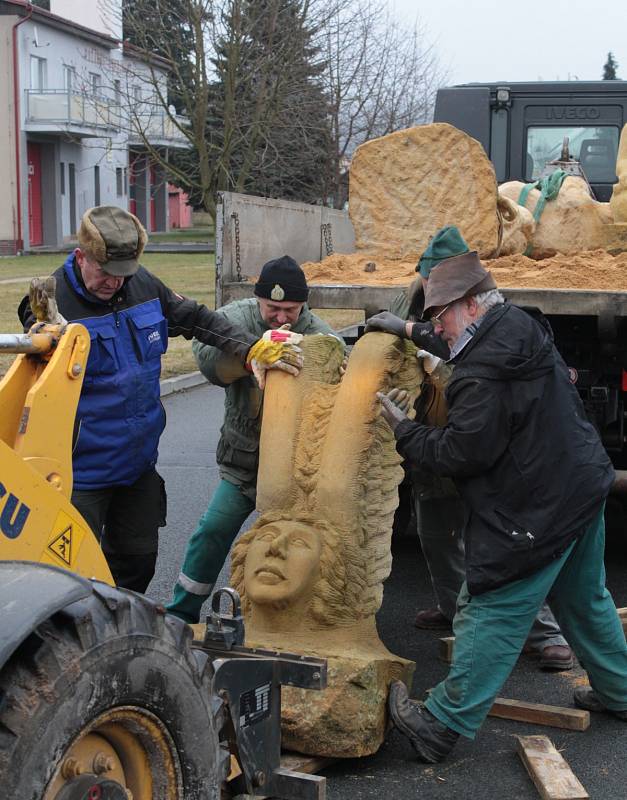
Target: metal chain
238 257
328 237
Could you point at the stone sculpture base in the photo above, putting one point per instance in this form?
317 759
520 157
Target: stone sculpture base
349 718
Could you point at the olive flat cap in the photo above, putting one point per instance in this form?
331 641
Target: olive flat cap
114 237
455 278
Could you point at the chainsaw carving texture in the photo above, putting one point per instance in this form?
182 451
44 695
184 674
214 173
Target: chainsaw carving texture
327 464
310 571
406 185
618 201
571 223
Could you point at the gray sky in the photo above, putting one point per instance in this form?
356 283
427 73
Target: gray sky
520 40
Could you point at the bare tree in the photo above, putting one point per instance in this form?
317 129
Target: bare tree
381 77
244 74
271 96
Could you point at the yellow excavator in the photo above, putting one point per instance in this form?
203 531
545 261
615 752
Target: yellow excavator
103 695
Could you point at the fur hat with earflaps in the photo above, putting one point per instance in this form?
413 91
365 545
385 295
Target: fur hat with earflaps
114 237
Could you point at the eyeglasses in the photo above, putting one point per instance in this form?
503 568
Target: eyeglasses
437 317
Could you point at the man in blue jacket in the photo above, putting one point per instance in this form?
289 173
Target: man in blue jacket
534 476
130 314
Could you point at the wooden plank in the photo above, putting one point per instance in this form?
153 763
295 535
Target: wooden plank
445 649
297 762
573 719
550 773
622 614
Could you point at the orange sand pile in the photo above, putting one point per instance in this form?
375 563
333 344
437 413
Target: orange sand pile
594 269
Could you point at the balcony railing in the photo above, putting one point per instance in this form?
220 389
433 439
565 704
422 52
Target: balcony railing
71 109
158 127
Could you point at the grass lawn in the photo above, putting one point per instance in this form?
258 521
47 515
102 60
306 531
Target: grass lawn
199 234
191 274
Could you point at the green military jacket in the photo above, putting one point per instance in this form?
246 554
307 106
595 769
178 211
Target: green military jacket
238 449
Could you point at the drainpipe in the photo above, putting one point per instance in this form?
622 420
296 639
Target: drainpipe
16 106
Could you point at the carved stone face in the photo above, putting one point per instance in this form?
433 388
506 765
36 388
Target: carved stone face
282 563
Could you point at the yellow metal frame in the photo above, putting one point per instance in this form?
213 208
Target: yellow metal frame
38 400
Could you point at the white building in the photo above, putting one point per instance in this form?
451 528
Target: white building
76 102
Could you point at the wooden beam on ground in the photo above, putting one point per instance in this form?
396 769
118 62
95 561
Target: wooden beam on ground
297 762
550 773
622 613
572 719
445 649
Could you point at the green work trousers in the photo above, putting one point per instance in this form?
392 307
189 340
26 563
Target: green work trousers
491 628
208 548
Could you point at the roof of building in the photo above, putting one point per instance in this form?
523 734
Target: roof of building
24 9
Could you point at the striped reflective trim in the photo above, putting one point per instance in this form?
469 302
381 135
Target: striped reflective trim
194 587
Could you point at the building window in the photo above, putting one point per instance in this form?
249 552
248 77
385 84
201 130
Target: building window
125 180
69 78
119 181
95 82
96 186
137 93
62 177
38 73
117 91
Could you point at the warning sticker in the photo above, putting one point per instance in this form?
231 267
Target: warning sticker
65 540
62 545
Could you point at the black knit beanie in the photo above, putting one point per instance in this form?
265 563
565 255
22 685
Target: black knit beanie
282 279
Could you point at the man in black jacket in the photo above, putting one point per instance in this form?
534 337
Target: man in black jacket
534 477
130 314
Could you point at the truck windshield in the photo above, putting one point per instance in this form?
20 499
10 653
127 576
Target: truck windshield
595 147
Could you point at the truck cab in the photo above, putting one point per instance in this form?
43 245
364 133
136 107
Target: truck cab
522 126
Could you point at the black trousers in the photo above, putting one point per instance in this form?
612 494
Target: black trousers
126 522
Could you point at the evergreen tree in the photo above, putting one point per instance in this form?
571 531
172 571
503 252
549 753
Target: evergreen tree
271 107
610 67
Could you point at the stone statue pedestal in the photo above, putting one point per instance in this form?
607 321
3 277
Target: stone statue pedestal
360 670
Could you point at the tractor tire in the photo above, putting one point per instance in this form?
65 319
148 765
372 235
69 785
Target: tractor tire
106 699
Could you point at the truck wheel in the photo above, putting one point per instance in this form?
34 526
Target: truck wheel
106 700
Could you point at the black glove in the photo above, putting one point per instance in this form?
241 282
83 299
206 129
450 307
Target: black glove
391 412
387 323
424 338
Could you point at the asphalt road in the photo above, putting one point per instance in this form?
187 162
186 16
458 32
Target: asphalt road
486 769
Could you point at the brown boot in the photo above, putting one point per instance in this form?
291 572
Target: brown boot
556 657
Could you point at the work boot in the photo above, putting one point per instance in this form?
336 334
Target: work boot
556 657
430 738
432 619
585 697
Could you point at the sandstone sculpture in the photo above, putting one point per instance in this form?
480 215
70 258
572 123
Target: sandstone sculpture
310 571
406 185
618 201
518 226
573 222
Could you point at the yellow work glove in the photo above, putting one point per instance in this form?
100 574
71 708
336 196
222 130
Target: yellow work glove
277 349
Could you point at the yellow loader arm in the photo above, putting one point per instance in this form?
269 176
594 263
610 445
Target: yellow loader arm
38 400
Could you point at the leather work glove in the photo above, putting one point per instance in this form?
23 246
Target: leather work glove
275 350
387 323
429 362
392 413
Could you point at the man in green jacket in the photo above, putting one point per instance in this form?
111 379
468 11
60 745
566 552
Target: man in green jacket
280 299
